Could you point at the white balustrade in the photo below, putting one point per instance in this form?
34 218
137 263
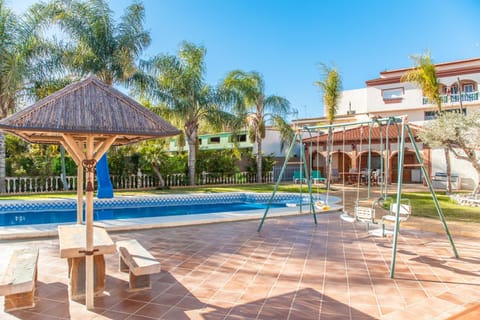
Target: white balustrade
14 185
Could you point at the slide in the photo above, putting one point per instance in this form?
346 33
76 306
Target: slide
105 188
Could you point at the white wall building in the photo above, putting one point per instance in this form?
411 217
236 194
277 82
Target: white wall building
388 96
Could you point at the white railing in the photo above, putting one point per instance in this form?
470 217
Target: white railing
452 98
16 185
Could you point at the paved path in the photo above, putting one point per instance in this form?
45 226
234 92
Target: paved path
293 269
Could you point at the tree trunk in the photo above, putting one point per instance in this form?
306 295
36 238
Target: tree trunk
259 158
64 170
191 134
448 169
159 175
476 191
2 163
328 164
191 163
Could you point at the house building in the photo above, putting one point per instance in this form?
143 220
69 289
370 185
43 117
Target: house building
271 144
388 96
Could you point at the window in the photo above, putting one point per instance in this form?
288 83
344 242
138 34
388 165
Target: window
392 95
241 137
468 87
238 138
214 140
431 115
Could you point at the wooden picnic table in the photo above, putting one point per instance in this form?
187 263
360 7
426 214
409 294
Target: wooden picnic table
72 239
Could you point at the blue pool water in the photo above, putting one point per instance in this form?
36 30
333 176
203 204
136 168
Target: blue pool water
70 215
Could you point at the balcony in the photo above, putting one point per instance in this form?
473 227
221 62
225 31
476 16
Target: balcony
453 98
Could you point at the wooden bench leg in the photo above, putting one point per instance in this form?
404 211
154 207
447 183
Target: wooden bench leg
139 282
123 267
77 276
20 301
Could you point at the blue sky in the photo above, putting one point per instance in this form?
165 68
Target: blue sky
286 40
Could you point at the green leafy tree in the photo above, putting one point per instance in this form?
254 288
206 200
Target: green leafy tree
460 134
268 162
176 89
221 162
120 160
331 87
250 103
154 156
18 160
43 158
425 76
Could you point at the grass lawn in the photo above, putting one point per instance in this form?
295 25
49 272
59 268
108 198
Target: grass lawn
422 203
423 206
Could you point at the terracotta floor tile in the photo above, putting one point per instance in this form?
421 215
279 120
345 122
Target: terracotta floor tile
291 270
153 310
168 299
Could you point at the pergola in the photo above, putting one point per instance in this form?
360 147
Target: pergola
87 117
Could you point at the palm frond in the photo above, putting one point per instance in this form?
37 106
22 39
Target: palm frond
331 88
424 75
286 132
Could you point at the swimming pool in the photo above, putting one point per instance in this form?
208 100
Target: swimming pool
119 213
70 215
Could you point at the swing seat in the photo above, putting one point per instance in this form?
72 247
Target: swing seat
347 218
403 215
320 205
366 211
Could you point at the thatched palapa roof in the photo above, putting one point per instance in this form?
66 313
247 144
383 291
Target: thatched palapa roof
87 107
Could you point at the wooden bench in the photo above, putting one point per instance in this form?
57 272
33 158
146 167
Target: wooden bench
19 280
138 262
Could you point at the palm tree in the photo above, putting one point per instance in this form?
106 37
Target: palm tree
425 76
331 87
98 45
20 46
176 86
257 109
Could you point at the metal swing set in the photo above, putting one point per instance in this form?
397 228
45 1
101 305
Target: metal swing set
365 210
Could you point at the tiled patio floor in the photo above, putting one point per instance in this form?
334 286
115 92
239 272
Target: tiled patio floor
292 269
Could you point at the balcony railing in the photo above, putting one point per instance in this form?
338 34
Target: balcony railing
453 98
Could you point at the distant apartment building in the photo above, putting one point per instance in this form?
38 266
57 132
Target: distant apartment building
227 141
387 96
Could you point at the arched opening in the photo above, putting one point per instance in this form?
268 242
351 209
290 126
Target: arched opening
341 163
318 163
375 160
411 173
